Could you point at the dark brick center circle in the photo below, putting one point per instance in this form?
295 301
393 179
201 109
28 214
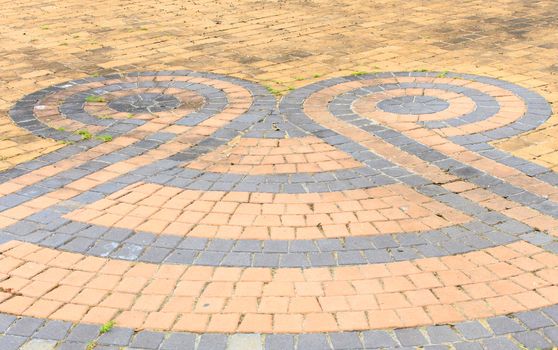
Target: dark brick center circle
413 105
145 103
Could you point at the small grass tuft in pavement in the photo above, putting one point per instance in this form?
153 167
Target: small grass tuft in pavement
358 73
104 137
95 98
85 135
106 327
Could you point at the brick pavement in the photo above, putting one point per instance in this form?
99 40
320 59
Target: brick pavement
279 194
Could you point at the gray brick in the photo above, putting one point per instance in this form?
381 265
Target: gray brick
93 232
212 342
39 344
441 334
532 340
247 246
410 337
73 346
56 240
266 259
303 246
552 312
193 243
167 241
55 330
499 343
312 342
117 234
384 242
79 244
220 245
436 347
328 245
210 258
245 341
116 336
294 260
155 254
279 342
109 347
128 252
345 341
25 326
237 259
181 256
377 255
467 346
141 238
102 248
148 340
358 243
83 333
350 258
322 259
276 246
179 341
472 330
534 319
11 342
378 339
502 325
6 321
552 334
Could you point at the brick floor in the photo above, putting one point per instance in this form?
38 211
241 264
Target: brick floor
278 175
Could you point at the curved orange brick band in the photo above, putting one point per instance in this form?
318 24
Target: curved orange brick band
47 283
242 215
275 156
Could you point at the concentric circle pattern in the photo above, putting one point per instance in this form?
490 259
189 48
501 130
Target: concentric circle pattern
368 211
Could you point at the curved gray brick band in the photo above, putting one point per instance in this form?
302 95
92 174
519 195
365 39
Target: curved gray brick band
533 330
142 246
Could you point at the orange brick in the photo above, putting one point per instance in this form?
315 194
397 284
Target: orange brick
160 320
287 323
353 320
223 323
70 312
256 323
319 322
